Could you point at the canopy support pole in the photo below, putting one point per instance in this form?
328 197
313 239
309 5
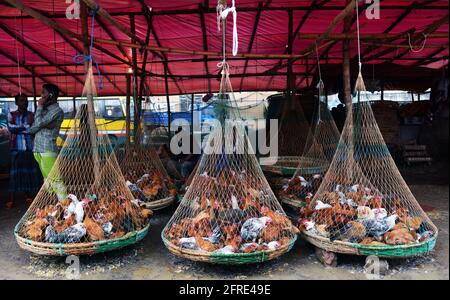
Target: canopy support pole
166 83
128 110
346 61
33 82
136 96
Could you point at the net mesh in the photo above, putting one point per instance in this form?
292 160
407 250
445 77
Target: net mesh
321 144
84 199
229 207
363 199
145 175
293 128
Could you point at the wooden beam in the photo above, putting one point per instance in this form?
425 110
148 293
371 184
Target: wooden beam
112 37
323 36
414 38
163 56
33 86
8 79
205 46
346 61
61 30
429 57
166 83
4 93
290 77
252 39
38 53
144 61
136 98
407 11
22 64
104 14
212 10
128 110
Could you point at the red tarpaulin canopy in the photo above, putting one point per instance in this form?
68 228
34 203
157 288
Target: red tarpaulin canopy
263 28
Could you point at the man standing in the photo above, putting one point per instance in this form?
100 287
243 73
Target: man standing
47 121
24 175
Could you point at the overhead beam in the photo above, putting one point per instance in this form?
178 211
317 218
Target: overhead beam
252 39
163 56
112 37
429 57
205 45
38 53
212 10
8 79
341 16
23 65
35 14
104 14
414 38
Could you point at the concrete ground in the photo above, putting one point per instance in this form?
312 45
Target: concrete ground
150 259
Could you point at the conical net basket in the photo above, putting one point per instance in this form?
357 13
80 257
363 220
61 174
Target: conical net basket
145 175
229 214
84 205
321 144
363 205
293 128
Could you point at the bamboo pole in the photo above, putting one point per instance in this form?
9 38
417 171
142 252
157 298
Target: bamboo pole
128 110
33 82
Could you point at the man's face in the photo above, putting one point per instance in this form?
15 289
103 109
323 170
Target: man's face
44 94
22 103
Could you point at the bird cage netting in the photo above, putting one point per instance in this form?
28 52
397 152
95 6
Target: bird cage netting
363 205
84 205
293 128
321 144
229 214
146 177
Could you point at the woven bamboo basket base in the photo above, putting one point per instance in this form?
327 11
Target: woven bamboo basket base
228 259
160 204
90 248
291 202
399 251
288 166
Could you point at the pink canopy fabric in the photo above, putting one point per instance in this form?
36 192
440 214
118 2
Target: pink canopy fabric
263 28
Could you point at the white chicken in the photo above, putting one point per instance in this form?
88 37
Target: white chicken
75 207
320 205
225 250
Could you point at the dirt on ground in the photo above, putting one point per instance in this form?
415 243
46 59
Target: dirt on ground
149 259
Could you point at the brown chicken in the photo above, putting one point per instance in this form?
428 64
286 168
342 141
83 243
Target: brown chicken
204 244
413 223
146 213
62 225
371 242
151 191
35 230
117 234
93 230
173 192
250 202
400 236
251 248
270 233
